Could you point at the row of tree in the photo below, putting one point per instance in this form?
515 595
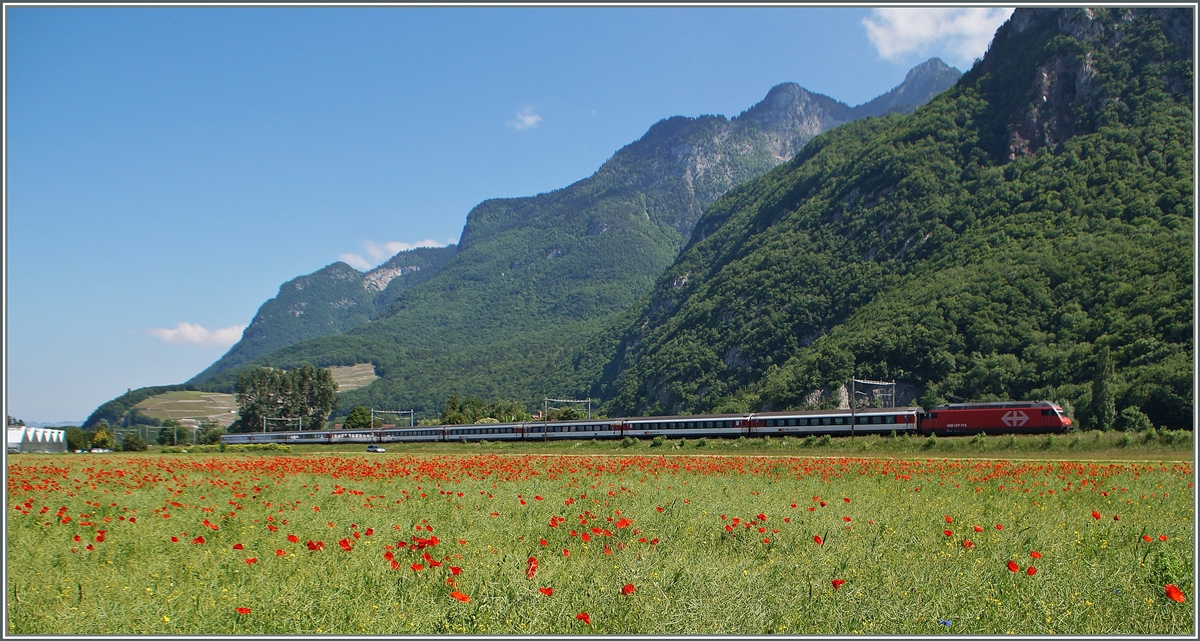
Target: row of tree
276 400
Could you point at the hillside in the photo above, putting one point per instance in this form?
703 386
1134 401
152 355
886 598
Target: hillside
988 246
328 301
531 276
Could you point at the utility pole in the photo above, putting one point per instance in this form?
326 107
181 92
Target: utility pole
852 407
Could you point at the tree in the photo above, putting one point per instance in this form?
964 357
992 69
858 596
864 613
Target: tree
1104 406
101 439
358 419
209 432
77 439
173 433
308 393
132 442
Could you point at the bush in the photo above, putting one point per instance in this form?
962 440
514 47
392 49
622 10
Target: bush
133 443
1012 441
1150 435
1131 419
979 439
1124 440
1049 442
682 443
810 440
703 442
826 440
657 442
930 442
628 441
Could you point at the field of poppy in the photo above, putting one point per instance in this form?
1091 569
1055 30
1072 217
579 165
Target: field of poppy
549 544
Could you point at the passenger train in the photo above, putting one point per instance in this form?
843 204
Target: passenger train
1015 417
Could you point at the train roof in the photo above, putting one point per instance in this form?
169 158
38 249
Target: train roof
996 405
844 410
690 417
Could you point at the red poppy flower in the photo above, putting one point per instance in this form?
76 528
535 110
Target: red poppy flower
198 540
237 546
978 529
766 541
968 544
77 538
1035 554
531 568
628 589
280 553
654 541
252 560
460 596
243 611
837 583
174 539
543 542
947 533
292 538
1013 567
1147 538
546 591
846 499
1174 593
583 616
949 520
846 519
1031 571
818 539
417 567
566 552
1162 537
822 503
1095 515
89 547
624 523
455 570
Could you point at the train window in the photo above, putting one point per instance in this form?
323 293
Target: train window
931 415
890 419
825 421
1047 412
838 420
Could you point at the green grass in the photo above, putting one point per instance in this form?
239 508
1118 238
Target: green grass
902 574
1175 446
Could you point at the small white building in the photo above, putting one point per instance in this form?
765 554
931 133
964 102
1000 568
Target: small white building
22 438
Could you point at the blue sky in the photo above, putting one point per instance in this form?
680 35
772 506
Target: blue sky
169 168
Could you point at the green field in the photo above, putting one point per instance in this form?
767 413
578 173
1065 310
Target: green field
1093 445
706 544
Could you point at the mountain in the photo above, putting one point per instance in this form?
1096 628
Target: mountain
328 301
991 245
531 276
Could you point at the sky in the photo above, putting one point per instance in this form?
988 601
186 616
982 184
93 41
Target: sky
168 168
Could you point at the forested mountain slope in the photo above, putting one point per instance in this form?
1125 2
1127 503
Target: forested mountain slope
988 246
531 276
328 301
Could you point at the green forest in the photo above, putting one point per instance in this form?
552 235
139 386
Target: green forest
944 248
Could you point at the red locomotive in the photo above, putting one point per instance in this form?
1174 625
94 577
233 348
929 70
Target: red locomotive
1011 417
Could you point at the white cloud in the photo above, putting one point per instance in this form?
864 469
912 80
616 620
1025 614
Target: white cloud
963 32
189 334
379 252
526 119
